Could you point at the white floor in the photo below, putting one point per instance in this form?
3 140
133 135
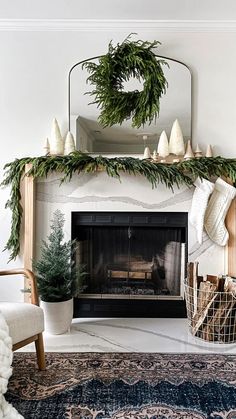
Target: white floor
130 335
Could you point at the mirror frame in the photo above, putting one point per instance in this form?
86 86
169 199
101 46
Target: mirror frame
157 56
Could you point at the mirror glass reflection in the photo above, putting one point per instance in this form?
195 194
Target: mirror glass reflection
123 139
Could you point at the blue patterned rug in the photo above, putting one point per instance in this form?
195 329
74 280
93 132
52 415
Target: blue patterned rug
124 386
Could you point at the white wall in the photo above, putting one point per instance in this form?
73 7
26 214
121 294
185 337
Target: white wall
119 9
33 86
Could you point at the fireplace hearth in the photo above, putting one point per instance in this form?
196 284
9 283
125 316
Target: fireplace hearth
135 263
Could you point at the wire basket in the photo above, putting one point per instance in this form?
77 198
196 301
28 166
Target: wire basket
211 314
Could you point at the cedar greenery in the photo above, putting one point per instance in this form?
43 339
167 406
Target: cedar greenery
183 173
128 59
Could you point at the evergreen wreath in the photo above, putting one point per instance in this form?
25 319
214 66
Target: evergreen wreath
128 59
182 173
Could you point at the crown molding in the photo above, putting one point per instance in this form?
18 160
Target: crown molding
84 25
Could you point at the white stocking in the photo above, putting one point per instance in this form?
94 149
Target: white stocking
218 206
200 198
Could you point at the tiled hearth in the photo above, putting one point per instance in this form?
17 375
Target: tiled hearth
130 335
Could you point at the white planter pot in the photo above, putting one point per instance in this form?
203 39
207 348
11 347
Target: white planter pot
57 316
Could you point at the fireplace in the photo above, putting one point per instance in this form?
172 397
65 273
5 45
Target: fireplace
135 263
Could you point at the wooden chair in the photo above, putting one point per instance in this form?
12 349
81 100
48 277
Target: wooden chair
25 320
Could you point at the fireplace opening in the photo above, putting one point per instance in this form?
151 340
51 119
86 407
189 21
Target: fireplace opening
131 260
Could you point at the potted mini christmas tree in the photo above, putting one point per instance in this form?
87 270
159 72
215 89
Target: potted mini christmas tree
58 277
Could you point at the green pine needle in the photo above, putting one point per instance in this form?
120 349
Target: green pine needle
123 61
183 173
58 277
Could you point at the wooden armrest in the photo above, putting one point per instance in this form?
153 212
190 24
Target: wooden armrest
29 274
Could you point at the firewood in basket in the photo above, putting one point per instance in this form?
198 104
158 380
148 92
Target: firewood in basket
218 318
200 316
205 294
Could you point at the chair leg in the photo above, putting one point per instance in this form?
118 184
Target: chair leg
40 352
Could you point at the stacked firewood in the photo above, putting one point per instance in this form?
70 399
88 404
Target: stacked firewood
211 305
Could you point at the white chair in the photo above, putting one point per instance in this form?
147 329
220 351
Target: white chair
25 320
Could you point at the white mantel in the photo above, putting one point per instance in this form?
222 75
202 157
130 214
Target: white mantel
98 192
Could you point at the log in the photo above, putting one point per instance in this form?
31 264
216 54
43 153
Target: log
200 316
129 275
221 284
195 274
205 294
189 297
214 280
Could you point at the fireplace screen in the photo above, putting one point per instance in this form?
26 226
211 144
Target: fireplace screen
131 259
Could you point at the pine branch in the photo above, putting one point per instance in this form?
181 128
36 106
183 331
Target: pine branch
177 174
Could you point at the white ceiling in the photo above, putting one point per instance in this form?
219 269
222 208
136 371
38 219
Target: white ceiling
119 9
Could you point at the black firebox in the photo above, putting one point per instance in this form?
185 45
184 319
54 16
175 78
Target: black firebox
132 264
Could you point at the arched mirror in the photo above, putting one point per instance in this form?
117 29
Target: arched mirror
123 139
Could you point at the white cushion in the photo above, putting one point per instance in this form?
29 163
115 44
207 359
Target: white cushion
24 320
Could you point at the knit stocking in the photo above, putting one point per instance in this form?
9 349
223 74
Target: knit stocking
199 204
218 206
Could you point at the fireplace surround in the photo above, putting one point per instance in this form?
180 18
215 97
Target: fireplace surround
135 263
99 193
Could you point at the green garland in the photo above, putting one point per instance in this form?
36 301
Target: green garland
182 173
129 59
